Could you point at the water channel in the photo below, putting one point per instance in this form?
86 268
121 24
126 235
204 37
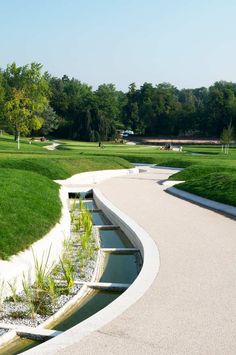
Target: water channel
118 268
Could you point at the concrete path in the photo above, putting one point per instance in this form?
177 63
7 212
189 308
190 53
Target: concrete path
191 306
52 146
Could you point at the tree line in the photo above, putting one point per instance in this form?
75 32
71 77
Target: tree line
33 102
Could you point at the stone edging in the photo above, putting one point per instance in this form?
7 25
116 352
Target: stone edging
148 273
213 205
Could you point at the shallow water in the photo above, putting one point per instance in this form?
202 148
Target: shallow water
120 268
114 238
93 303
18 346
99 218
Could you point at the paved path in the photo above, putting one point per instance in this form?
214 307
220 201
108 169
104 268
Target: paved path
191 306
52 146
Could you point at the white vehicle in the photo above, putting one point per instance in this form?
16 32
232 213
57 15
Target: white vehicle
128 132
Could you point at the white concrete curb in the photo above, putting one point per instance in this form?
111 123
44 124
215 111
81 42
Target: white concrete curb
94 177
216 206
148 273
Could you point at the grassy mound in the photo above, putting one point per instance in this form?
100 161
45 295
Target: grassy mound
62 168
198 171
29 208
29 197
220 187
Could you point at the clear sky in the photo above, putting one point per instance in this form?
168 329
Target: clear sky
190 43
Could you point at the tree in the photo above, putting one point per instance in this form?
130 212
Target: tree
221 107
227 137
26 97
2 93
51 120
107 100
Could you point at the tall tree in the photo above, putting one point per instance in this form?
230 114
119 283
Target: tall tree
26 97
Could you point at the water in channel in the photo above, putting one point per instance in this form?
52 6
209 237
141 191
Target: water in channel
90 305
18 346
99 219
114 238
118 268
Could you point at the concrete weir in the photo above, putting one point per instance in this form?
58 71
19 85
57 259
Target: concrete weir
31 333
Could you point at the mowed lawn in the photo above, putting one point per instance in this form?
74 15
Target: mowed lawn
208 172
30 198
29 208
29 202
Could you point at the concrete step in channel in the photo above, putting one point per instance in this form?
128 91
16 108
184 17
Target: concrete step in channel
106 226
112 286
30 332
119 250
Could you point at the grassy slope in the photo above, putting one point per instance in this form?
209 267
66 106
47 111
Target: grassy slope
209 164
29 207
74 157
220 187
29 197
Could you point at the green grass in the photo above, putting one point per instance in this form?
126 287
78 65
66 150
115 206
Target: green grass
211 176
26 179
220 187
7 143
194 172
62 168
29 197
199 162
29 208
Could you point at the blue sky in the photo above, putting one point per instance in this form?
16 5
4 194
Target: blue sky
190 43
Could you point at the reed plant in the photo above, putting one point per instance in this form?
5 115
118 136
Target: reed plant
37 295
13 289
29 296
81 205
42 271
68 270
52 290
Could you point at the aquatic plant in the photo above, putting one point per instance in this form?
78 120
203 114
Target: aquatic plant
42 271
67 269
52 290
13 289
29 295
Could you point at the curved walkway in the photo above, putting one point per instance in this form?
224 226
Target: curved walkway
190 308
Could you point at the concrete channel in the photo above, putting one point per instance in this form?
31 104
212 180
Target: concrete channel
121 268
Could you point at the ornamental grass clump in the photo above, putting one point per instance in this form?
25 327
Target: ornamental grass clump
42 271
37 296
85 239
29 296
13 289
68 273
